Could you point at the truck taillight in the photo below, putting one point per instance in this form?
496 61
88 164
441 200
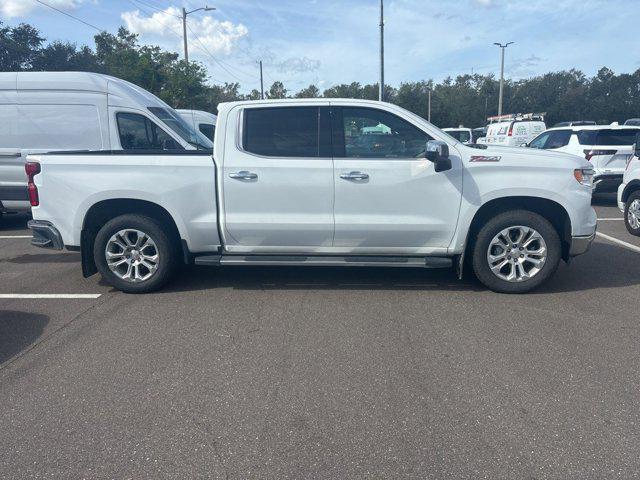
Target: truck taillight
592 153
510 132
32 169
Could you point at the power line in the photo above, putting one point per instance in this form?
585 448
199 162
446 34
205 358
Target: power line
171 30
219 62
70 16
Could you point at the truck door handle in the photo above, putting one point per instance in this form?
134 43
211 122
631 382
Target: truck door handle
243 175
354 176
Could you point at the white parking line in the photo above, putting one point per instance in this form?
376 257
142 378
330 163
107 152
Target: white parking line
629 246
50 295
16 236
610 219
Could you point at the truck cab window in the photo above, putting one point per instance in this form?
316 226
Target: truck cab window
372 133
282 131
137 132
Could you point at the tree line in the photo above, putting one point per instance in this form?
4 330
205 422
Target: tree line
463 100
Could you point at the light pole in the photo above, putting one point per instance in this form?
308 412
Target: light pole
184 27
381 86
502 48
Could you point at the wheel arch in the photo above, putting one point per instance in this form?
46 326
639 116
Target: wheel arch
103 211
549 209
632 186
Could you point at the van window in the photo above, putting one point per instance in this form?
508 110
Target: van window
282 131
58 127
176 123
373 133
137 132
207 130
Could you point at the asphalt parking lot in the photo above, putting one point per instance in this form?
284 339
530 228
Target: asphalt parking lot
320 373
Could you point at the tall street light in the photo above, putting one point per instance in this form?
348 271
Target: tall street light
502 49
184 27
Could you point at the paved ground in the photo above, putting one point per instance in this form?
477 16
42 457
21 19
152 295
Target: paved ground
321 373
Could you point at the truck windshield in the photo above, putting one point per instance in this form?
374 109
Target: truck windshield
172 120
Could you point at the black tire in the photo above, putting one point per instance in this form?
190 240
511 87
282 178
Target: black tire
505 220
634 196
166 246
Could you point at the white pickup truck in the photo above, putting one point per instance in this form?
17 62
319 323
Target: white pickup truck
316 182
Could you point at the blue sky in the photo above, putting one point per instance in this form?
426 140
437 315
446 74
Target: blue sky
329 41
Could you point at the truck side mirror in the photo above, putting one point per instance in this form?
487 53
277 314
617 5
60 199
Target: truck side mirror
438 153
636 146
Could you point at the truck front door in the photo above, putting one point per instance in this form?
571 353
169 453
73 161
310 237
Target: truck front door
388 197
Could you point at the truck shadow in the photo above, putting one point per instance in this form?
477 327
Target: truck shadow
318 278
604 266
19 330
38 258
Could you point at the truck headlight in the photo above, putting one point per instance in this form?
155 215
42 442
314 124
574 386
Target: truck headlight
584 176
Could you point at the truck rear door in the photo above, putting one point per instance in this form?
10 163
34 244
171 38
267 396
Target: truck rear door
277 180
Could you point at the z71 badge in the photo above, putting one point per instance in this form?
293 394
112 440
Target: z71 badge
482 158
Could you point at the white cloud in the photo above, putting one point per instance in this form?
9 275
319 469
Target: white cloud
298 65
19 8
210 34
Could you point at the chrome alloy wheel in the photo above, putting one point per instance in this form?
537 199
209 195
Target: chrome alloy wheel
132 255
517 253
633 214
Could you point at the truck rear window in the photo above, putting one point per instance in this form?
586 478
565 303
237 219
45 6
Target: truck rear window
608 136
282 131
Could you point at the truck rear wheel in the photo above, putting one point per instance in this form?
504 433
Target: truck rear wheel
134 253
632 213
516 251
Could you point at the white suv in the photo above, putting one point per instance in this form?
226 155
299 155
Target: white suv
607 147
629 193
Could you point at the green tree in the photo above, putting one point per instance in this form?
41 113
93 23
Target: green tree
309 92
19 46
277 90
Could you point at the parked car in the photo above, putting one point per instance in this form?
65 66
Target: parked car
575 123
635 122
607 148
200 120
464 135
514 130
297 182
629 191
45 111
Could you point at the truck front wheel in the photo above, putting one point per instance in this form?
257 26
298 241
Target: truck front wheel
632 213
516 251
134 253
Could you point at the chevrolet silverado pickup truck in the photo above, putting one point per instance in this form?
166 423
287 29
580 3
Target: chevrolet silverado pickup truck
322 182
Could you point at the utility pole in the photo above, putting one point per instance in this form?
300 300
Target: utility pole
502 48
381 86
261 82
429 108
184 27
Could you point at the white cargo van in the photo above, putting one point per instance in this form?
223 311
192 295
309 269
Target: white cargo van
514 130
200 120
61 111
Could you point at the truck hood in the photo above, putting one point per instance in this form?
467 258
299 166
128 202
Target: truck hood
532 156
